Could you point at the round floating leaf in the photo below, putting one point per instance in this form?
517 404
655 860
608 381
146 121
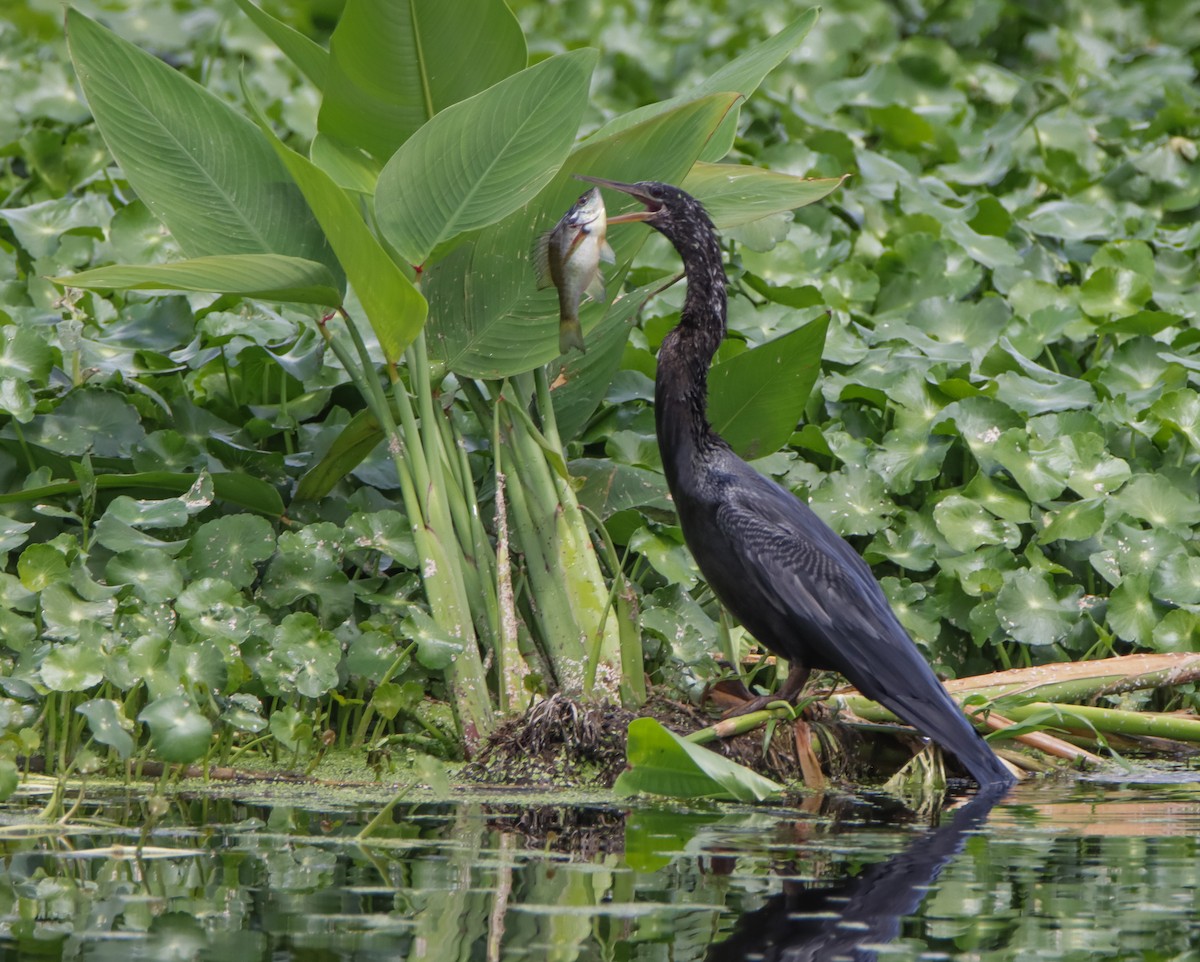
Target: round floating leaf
1132 613
371 654
387 532
292 727
966 526
436 647
1179 630
200 664
16 399
667 554
108 725
178 730
1071 221
1155 499
1138 551
1180 410
244 713
155 576
40 566
1110 292
1039 469
212 608
101 422
13 534
1074 522
24 355
1031 612
304 657
231 547
65 614
853 502
76 667
1177 579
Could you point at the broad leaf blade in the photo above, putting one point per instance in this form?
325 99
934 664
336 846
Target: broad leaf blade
310 58
581 379
479 160
662 763
757 397
507 325
735 194
203 169
393 66
269 276
742 75
394 307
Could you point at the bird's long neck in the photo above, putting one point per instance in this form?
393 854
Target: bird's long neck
681 384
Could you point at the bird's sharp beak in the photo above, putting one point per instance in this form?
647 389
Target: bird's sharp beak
632 190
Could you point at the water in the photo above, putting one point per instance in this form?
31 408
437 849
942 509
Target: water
1056 871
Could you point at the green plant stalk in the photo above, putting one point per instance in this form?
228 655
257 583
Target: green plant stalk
1111 721
589 592
511 669
444 592
478 553
622 601
537 520
533 523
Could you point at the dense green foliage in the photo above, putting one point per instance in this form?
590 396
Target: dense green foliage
1006 421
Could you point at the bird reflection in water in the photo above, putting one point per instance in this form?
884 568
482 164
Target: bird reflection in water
851 919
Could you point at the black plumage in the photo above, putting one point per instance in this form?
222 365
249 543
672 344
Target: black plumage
796 586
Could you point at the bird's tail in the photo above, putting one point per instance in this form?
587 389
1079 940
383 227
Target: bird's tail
938 716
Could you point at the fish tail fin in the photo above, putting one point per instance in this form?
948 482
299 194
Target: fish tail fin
570 335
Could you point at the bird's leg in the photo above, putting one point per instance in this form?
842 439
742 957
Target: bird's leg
789 691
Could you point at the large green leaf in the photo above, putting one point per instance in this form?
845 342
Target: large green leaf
202 168
580 380
310 57
757 397
742 75
662 763
506 325
241 489
270 276
395 309
736 194
479 160
394 65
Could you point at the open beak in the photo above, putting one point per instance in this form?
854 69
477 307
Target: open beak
652 206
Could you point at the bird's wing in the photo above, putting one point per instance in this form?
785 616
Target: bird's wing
803 578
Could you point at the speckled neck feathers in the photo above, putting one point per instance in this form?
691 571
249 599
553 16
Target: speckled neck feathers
681 387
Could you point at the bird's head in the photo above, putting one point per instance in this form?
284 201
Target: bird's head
672 212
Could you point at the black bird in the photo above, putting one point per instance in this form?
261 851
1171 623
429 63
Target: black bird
796 586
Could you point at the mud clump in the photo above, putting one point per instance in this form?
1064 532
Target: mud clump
563 742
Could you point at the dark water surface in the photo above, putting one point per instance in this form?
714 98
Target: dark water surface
1056 871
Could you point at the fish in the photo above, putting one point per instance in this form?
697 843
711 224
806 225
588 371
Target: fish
568 258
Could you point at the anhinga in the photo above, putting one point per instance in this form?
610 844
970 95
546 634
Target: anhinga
796 586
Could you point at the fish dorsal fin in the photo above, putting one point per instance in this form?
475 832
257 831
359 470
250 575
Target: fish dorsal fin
540 253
